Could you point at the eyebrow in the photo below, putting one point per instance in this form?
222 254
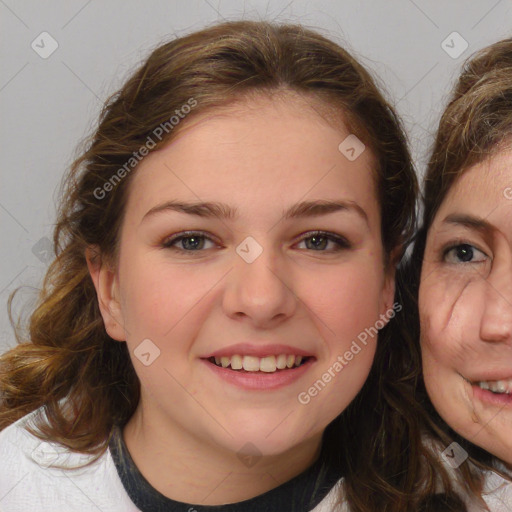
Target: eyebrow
224 211
476 223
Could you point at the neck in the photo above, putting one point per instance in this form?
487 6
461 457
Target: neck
191 470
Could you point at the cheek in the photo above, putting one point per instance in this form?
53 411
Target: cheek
157 297
347 298
450 305
349 313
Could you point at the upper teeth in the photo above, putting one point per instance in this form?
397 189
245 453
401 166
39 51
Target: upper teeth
497 386
267 364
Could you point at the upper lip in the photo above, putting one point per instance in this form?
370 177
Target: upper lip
491 376
257 350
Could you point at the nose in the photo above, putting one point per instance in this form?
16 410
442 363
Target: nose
496 320
259 292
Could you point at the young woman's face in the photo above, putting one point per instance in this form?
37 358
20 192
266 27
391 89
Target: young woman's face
465 303
221 266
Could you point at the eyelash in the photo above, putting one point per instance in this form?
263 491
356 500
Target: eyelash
342 242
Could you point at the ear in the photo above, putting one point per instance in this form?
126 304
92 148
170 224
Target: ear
107 290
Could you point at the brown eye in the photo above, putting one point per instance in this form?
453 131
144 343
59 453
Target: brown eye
464 253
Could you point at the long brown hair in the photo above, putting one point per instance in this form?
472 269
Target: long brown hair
475 125
68 354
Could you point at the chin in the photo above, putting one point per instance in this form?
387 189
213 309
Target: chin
266 437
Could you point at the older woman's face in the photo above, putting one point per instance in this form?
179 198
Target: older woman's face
465 303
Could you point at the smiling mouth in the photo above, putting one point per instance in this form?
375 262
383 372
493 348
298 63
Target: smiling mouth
498 387
267 364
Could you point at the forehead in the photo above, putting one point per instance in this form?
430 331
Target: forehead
485 177
262 152
482 189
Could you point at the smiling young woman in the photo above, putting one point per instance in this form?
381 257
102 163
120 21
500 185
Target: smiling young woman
284 304
198 293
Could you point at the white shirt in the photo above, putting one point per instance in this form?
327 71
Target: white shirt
31 482
498 493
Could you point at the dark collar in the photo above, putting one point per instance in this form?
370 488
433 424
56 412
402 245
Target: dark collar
301 494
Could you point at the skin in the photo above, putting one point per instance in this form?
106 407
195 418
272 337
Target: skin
466 306
260 157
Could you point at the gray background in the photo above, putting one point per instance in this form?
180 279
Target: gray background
48 105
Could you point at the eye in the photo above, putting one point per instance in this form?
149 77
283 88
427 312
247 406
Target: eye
190 241
319 240
464 253
193 241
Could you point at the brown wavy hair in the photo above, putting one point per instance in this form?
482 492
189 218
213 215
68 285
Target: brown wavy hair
85 382
475 126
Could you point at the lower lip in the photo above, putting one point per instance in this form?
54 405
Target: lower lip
489 397
260 381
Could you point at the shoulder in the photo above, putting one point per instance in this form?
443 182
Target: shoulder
45 476
497 493
332 502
